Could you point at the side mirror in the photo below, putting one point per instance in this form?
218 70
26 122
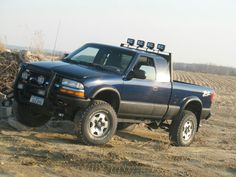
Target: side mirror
139 74
65 55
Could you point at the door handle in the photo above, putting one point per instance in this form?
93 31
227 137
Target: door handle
155 89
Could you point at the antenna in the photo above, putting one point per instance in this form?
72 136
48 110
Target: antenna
55 43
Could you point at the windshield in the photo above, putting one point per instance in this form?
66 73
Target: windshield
102 57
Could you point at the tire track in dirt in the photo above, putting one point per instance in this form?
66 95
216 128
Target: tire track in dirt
37 153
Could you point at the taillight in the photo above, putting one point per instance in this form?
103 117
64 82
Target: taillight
213 97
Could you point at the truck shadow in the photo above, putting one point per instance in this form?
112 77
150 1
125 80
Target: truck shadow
133 137
62 132
157 143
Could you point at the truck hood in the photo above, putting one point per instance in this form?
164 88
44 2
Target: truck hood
68 69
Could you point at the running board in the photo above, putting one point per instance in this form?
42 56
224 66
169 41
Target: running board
134 121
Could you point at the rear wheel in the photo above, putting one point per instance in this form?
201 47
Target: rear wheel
183 129
96 124
31 115
128 127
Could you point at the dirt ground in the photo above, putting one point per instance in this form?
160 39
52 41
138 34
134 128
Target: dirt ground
54 150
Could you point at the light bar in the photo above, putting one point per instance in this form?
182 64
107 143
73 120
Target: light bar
161 47
140 43
130 41
150 45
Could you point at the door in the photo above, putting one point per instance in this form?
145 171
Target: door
137 94
162 92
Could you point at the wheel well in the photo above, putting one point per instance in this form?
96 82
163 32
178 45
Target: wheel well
196 108
110 97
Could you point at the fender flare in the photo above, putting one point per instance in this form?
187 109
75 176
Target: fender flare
96 91
188 100
185 103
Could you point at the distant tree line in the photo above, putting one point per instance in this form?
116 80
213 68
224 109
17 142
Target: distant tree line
204 68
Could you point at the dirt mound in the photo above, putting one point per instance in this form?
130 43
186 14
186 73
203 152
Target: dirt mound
9 63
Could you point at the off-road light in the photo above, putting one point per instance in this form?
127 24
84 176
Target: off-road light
41 92
161 47
130 41
140 43
20 86
40 80
150 45
25 75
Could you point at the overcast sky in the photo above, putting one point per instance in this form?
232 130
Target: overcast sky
195 31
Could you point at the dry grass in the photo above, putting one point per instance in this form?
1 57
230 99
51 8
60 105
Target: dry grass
2 46
37 43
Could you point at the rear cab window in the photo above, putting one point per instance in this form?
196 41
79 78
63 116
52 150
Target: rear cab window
163 69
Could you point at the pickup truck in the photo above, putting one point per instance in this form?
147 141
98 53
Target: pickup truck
103 88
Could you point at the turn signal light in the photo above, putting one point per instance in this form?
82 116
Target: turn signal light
72 92
213 97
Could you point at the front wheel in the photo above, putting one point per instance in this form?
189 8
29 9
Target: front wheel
183 129
96 124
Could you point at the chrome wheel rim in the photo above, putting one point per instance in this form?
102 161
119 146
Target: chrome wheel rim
99 124
187 130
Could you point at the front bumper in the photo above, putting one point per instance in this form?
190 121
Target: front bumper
71 101
53 99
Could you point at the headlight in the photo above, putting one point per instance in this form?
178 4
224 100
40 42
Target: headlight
72 84
25 75
40 80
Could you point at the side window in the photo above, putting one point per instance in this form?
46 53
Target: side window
147 65
87 55
163 70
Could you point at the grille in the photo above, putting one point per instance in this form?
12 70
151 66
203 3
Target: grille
31 85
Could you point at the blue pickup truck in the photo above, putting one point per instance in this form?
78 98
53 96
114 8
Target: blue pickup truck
103 88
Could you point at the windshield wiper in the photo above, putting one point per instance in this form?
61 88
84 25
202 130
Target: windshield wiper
102 67
88 63
112 68
94 65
